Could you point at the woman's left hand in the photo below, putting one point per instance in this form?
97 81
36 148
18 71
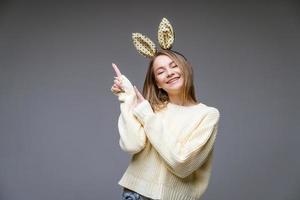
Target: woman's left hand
139 96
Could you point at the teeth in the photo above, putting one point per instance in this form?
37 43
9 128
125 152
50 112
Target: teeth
173 80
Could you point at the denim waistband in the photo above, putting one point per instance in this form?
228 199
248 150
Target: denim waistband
132 195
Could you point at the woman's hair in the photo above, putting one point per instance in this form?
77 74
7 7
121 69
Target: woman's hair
158 98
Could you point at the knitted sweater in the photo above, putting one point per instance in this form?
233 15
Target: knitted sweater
171 149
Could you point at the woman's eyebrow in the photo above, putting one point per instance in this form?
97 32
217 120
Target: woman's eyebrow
171 62
163 66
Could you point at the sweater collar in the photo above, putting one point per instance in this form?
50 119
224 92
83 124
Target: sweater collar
182 107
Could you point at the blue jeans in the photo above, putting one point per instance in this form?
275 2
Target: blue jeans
132 195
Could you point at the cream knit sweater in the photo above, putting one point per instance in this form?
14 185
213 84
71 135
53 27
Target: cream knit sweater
171 150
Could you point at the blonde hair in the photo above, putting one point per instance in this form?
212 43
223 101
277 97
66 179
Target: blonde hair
158 98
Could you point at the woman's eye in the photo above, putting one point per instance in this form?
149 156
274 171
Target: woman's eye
174 66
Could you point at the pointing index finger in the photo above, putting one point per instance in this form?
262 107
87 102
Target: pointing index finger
116 70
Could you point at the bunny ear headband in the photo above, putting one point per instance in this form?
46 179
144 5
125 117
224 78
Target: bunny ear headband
165 36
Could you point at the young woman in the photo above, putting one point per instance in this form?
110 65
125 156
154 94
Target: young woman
168 133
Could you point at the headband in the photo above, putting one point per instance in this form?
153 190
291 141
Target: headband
165 37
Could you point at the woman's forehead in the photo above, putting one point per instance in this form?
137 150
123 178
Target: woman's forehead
161 61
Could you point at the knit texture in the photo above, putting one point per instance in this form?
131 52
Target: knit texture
171 150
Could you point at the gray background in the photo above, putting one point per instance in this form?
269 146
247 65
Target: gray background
58 117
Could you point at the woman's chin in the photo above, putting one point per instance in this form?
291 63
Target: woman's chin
174 89
175 86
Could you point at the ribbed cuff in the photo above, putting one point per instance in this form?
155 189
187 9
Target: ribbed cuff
142 110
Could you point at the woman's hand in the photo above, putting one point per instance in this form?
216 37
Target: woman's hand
117 86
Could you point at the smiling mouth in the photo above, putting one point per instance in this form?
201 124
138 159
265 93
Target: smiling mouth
173 80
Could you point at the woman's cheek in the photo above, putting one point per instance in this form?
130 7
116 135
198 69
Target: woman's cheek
160 81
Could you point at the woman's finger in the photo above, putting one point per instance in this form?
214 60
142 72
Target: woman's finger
118 86
115 89
117 71
117 81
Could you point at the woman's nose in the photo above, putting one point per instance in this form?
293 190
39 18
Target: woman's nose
169 72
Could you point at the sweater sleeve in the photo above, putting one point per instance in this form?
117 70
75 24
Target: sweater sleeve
187 152
132 135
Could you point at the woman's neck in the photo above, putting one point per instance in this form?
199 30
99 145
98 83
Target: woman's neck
177 100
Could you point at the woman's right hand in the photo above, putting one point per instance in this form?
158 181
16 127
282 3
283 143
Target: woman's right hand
117 86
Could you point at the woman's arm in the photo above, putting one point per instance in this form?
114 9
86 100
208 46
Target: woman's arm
186 153
132 135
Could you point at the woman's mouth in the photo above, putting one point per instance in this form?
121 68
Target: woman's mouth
173 80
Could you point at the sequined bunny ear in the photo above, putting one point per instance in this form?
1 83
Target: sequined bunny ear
144 45
165 34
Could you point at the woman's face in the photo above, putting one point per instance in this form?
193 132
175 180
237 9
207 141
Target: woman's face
167 74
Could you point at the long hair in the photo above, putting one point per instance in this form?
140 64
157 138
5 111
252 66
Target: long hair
158 98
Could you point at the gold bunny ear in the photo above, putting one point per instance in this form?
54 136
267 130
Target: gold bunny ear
165 34
144 45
